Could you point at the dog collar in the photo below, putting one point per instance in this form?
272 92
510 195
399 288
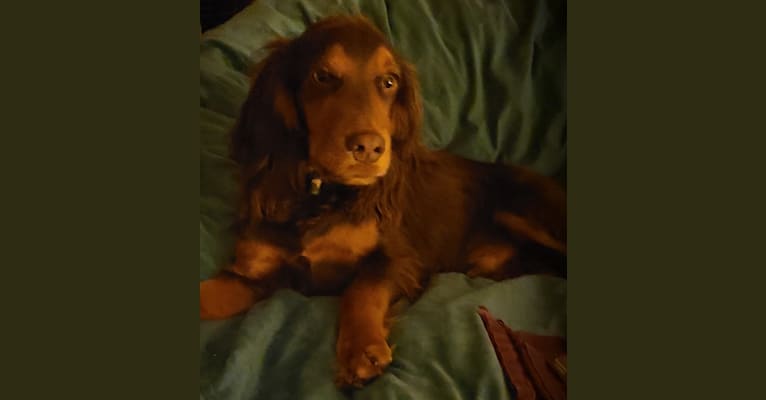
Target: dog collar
315 186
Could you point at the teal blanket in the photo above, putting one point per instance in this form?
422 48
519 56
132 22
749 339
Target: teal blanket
284 348
493 74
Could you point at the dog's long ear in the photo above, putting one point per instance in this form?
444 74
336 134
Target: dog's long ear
407 112
269 112
266 141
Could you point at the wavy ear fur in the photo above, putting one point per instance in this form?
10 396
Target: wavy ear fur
269 111
266 140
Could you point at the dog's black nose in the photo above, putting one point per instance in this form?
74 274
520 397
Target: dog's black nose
367 147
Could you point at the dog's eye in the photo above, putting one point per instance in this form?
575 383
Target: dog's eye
389 81
324 77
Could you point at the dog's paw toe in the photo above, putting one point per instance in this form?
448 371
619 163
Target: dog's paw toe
358 364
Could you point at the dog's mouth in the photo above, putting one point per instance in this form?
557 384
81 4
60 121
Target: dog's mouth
353 175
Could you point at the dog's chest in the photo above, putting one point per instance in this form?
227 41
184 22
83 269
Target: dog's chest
333 244
339 242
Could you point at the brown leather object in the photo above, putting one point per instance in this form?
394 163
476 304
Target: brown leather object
535 365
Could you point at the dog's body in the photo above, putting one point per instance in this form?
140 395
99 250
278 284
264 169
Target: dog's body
341 197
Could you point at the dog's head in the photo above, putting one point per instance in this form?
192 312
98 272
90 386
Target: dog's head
337 97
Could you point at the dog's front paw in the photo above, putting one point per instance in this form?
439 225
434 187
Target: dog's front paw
359 359
225 296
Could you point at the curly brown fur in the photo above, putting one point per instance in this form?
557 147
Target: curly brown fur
339 105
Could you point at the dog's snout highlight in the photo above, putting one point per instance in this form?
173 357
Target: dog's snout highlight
366 147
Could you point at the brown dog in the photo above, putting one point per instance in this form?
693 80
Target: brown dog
341 197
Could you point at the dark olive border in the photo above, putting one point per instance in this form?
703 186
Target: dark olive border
663 105
101 143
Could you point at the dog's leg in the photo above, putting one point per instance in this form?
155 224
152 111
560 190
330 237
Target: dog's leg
362 350
531 207
258 268
531 230
257 259
491 260
226 295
